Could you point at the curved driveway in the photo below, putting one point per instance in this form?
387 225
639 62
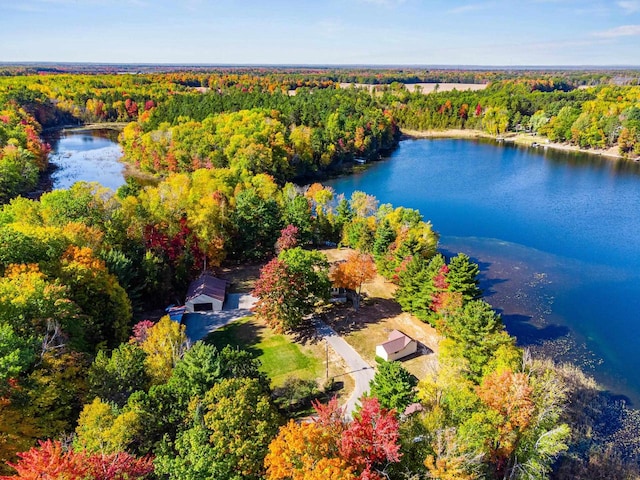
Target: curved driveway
360 370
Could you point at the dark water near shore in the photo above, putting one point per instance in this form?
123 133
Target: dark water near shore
556 235
86 155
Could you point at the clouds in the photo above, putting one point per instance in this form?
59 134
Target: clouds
629 6
472 7
621 31
384 3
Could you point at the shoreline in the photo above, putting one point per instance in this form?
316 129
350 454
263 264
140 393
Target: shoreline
527 140
86 126
45 180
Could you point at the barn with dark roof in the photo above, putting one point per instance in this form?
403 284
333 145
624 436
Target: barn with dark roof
206 294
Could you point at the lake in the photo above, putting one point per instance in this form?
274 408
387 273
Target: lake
555 233
88 155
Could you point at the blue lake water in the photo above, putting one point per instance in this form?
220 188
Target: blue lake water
557 236
87 155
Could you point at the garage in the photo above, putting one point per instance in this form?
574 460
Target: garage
206 294
203 307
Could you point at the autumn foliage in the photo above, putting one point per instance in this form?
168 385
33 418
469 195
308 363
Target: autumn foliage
305 451
359 268
288 238
274 289
290 286
510 395
52 460
331 447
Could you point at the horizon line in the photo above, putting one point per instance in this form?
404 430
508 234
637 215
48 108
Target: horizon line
326 65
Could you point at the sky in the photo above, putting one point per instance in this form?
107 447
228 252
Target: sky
336 32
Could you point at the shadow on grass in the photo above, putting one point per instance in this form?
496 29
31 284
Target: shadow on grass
305 334
295 399
243 334
422 350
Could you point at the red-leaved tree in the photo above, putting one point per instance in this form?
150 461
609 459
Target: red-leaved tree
359 448
278 303
51 460
288 238
371 439
141 330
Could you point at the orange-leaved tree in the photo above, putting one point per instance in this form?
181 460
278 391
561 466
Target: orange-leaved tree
305 451
358 269
332 448
510 396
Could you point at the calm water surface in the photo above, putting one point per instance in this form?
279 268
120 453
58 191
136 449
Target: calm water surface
88 155
556 235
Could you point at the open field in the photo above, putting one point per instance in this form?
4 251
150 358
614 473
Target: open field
281 357
241 277
424 87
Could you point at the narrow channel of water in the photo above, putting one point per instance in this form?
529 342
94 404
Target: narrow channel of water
555 233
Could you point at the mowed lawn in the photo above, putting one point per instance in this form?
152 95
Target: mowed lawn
279 355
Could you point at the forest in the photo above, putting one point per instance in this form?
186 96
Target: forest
91 389
299 125
600 117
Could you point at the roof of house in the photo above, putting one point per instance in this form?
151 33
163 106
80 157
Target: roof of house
396 342
413 408
207 285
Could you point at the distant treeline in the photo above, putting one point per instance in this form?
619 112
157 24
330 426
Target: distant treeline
598 117
349 74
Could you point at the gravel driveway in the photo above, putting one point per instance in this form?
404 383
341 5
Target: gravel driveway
360 370
200 324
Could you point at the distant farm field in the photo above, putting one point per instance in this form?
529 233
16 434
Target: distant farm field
425 87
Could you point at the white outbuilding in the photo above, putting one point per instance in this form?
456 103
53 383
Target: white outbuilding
399 345
206 294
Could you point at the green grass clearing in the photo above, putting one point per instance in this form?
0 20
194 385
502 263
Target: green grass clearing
279 355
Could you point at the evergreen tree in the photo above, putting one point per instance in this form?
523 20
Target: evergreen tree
478 332
419 286
257 223
383 238
393 386
115 378
463 277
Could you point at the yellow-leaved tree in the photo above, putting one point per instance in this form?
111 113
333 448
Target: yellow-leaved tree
305 451
165 344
